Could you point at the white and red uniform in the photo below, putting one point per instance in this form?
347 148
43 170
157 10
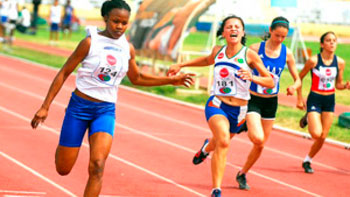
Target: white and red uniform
324 76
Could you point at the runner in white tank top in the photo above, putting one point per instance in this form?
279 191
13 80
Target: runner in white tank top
226 108
106 58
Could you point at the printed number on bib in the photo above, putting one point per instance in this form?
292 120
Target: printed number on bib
225 81
108 70
327 78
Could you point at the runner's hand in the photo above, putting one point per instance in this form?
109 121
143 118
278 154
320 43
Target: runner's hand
184 79
347 85
173 70
301 105
39 117
245 74
290 90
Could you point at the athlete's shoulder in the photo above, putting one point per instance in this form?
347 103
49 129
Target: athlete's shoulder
340 60
312 61
255 47
216 49
86 42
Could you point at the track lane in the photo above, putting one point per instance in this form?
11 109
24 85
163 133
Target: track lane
188 137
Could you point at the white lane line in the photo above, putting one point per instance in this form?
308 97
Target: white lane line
195 127
227 163
21 192
201 128
110 155
287 130
168 143
35 172
16 195
187 149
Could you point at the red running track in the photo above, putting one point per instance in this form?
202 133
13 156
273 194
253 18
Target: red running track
152 151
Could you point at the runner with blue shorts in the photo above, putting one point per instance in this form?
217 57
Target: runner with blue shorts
106 57
226 108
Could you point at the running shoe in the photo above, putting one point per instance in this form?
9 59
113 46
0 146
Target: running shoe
307 167
303 121
200 155
216 193
242 181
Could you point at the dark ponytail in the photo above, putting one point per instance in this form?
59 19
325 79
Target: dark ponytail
279 21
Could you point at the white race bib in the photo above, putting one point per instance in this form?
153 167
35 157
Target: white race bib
225 81
264 90
109 68
327 78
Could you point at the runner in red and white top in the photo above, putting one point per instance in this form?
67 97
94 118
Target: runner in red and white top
327 75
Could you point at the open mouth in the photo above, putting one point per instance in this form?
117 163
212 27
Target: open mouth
233 35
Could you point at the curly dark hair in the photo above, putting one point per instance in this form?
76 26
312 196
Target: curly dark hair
109 5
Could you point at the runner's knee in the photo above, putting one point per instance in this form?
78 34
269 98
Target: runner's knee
96 168
223 143
62 170
257 140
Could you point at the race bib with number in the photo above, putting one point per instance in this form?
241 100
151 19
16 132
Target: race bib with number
327 78
268 91
109 68
225 82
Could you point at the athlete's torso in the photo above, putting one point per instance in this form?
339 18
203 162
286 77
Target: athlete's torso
275 67
104 67
324 76
226 80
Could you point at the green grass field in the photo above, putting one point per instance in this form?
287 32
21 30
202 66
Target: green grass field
286 116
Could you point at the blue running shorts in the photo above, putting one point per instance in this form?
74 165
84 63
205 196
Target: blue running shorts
54 27
83 114
3 19
234 114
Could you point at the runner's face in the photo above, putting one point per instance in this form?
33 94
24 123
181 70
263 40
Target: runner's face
278 34
233 31
329 43
116 22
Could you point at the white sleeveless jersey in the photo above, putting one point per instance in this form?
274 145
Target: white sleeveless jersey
226 80
104 67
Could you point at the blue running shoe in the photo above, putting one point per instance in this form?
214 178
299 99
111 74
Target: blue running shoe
216 193
200 155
